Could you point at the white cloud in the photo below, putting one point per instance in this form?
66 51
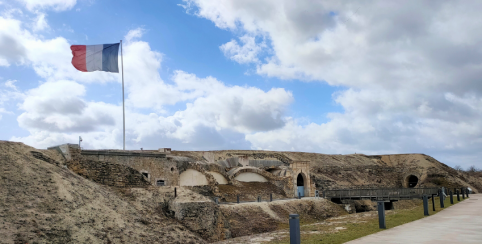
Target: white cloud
134 34
56 5
40 23
247 53
411 70
216 115
50 58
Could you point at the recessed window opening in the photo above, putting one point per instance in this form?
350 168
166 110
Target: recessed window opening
160 183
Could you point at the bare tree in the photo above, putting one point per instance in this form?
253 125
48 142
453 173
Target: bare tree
472 169
458 168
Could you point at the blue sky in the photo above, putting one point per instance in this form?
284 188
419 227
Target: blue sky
316 76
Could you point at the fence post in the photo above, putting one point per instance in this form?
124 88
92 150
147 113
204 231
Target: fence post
295 229
458 195
451 197
425 205
441 196
433 202
381 215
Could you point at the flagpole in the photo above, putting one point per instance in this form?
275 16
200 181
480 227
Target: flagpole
123 106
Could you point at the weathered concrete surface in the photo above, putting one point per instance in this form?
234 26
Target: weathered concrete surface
461 223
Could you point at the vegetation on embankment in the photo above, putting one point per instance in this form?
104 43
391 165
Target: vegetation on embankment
351 227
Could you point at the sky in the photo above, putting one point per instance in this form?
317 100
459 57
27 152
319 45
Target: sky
333 77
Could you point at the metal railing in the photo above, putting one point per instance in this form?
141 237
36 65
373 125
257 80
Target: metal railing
385 193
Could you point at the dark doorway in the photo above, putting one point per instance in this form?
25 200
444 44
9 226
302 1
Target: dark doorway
145 174
299 181
412 181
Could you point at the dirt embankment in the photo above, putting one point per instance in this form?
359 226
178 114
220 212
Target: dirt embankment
41 201
254 218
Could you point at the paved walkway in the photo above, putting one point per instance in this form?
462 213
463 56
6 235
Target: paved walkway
460 223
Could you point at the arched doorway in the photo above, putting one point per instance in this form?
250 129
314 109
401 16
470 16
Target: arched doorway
412 181
300 183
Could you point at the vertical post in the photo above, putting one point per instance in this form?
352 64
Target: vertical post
324 194
295 229
216 200
467 192
299 195
425 205
433 202
458 196
123 105
237 197
451 197
462 191
259 198
441 198
175 192
271 197
381 215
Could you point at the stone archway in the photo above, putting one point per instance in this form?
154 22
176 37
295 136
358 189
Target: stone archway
302 187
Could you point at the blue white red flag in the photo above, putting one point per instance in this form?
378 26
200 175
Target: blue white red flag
103 57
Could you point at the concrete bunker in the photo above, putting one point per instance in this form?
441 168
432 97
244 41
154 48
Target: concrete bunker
412 181
192 177
250 177
219 178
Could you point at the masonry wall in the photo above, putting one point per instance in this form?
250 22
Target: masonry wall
157 168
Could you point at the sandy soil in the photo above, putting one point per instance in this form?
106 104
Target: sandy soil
44 202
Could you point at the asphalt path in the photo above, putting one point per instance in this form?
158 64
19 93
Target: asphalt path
460 223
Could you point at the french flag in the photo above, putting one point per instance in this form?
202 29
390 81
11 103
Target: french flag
103 57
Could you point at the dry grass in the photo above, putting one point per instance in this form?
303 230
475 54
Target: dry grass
351 227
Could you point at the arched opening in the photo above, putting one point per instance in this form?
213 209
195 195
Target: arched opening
250 177
219 178
192 177
412 181
300 183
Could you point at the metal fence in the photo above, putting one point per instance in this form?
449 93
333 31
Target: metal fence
386 193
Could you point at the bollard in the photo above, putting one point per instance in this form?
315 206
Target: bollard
458 196
175 192
295 229
425 205
271 197
237 197
441 196
381 215
433 202
451 197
